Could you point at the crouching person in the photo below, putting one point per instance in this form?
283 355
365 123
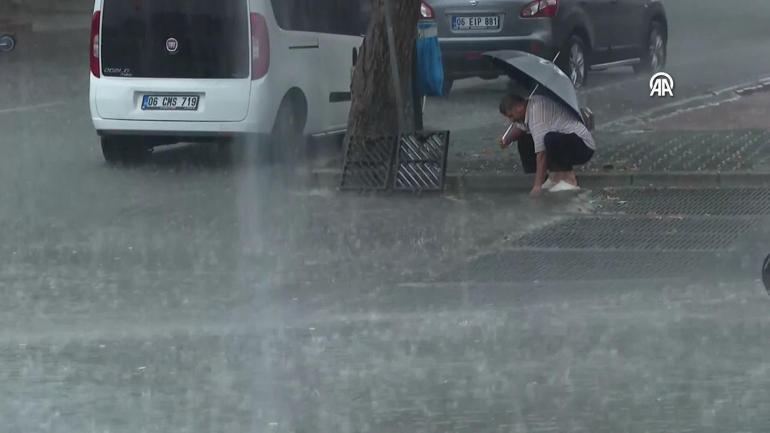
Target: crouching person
552 140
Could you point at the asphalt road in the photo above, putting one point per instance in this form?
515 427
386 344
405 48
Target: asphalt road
193 294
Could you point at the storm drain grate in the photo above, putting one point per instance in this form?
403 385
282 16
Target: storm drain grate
701 202
677 151
715 151
637 233
529 266
421 163
368 163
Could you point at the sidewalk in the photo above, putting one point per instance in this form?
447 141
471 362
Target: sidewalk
636 158
639 158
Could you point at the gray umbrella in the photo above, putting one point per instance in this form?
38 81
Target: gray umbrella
543 71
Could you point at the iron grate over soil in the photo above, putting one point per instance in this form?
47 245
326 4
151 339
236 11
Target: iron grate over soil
695 202
636 233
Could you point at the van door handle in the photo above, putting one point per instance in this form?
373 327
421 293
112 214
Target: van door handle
355 56
305 44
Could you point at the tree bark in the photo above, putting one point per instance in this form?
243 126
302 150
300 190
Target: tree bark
373 110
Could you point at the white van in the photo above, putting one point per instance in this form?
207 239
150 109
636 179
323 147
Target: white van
167 71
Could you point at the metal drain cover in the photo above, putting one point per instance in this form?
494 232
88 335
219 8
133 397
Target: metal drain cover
679 151
637 233
699 202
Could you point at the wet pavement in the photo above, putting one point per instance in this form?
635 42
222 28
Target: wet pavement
194 294
467 315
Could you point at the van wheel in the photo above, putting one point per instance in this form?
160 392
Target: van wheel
287 139
573 60
654 57
124 150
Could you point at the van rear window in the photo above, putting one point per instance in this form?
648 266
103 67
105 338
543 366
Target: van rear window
175 38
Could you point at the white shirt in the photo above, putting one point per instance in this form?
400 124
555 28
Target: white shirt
545 115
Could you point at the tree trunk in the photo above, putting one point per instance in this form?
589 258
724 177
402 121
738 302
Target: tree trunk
373 110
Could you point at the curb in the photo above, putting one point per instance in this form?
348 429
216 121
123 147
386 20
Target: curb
519 182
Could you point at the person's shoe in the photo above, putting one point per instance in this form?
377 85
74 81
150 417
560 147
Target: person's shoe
564 186
548 184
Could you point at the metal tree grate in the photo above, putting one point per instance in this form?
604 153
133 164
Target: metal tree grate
637 233
421 161
368 163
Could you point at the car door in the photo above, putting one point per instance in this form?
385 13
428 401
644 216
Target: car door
628 34
600 17
339 36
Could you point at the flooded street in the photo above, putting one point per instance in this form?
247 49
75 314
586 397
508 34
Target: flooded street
194 293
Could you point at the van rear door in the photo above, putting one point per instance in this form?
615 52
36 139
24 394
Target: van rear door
175 60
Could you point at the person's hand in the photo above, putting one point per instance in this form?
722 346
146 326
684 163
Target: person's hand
503 145
537 191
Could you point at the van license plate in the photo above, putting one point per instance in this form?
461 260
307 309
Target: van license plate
465 24
170 102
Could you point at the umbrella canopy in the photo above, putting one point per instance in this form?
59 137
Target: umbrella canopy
543 71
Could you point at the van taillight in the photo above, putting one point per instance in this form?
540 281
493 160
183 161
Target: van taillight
260 47
94 46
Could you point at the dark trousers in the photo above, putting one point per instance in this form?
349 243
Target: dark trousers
527 153
562 152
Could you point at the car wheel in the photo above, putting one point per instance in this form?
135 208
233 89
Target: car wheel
287 140
654 58
124 150
574 61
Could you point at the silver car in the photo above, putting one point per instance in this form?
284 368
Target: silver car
586 34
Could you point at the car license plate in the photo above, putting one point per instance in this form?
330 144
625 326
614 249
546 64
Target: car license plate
475 23
170 102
